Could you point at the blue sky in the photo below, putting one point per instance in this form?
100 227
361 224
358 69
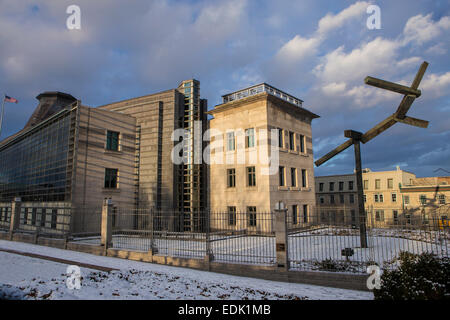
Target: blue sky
319 51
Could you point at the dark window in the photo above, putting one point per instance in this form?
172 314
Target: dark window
341 185
395 215
232 216
321 186
251 216
112 140
294 177
350 185
353 215
331 198
43 217
304 184
352 198
54 218
231 178
291 140
294 214
33 216
331 186
111 178
280 138
251 177
305 213
302 143
341 198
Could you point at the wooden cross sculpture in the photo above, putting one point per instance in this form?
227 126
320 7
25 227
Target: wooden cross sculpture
409 94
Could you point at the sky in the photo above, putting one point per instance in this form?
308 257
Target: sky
319 51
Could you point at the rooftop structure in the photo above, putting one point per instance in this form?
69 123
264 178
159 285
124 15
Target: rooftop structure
262 87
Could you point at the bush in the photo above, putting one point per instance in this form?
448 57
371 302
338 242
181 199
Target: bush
417 277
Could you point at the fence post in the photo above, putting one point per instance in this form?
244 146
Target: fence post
153 249
14 221
107 224
281 239
209 255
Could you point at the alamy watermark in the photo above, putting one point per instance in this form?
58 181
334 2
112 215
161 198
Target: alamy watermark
374 20
73 22
374 280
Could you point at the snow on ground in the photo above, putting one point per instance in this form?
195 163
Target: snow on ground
24 277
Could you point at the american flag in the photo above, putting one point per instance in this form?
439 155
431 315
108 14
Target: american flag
9 99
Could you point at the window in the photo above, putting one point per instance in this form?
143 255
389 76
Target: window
305 213
331 186
341 198
111 178
112 140
294 214
302 143
423 199
366 184
291 140
408 218
294 177
395 216
251 216
332 198
375 197
304 180
33 216
280 138
321 200
381 197
231 178
341 185
352 198
232 216
230 141
250 138
406 199
281 174
377 183
321 186
353 215
251 177
441 199
350 185
394 197
390 183
379 215
54 218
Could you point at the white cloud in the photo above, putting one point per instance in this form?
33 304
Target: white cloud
435 85
330 21
297 49
421 29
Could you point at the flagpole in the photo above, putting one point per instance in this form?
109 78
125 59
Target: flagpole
3 111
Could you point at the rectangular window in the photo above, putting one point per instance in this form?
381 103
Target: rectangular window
111 178
390 183
441 199
249 138
304 179
232 216
321 186
294 214
251 216
33 216
280 138
350 185
305 213
112 140
341 185
291 140
381 197
251 177
353 215
366 184
379 215
406 199
352 198
341 198
331 186
302 143
281 175
230 141
54 218
423 199
231 178
395 216
377 183
394 197
321 200
375 197
332 198
294 177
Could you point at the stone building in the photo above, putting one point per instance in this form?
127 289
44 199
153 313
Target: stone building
241 180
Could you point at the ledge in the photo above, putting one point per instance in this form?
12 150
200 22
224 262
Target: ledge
110 190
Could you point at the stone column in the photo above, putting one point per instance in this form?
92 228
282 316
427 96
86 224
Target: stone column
14 223
107 210
281 239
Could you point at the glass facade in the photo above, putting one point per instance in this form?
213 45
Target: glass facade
34 166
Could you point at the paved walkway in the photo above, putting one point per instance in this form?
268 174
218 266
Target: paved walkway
70 262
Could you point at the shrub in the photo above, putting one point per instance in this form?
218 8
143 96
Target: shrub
417 277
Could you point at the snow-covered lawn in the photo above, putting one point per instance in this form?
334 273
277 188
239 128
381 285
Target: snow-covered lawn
23 277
